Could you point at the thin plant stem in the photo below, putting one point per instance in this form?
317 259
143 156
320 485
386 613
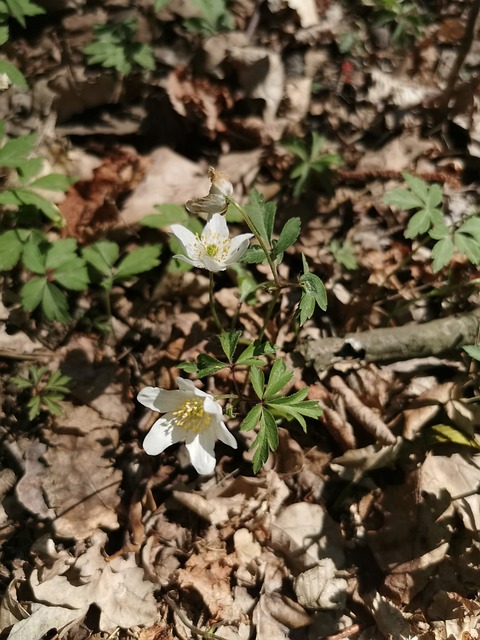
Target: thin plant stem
260 240
212 304
268 315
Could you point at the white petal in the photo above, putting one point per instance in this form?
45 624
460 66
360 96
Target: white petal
185 236
212 406
238 247
201 450
217 224
223 434
160 399
161 435
186 385
147 397
213 265
194 263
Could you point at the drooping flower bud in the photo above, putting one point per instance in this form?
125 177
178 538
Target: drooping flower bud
215 202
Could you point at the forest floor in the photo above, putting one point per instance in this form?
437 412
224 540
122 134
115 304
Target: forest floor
362 121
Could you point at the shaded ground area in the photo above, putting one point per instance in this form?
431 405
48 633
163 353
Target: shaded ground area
360 119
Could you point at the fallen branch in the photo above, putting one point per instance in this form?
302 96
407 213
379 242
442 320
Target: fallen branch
435 338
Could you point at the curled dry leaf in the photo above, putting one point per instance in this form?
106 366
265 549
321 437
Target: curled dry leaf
318 588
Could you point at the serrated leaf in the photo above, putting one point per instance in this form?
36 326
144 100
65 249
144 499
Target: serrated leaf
257 378
142 54
419 223
471 227
208 365
27 197
467 245
439 231
60 253
314 285
229 342
138 261
267 422
261 454
54 303
102 256
15 76
278 378
28 169
14 151
250 354
254 255
418 186
11 248
403 199
296 146
52 405
19 9
167 215
73 274
34 407
34 257
295 410
442 253
473 350
20 382
58 382
31 293
53 182
288 236
251 419
261 214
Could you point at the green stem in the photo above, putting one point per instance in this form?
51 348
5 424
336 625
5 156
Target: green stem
260 241
212 305
268 315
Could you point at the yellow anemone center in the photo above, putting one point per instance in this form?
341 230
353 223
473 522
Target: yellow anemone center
191 416
213 245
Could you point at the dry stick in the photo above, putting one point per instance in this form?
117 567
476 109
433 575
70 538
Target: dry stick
187 623
365 416
435 338
465 45
344 633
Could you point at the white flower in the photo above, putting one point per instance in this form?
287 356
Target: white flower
191 415
214 249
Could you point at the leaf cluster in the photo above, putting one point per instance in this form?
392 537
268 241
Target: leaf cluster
342 253
47 390
114 47
16 154
215 18
404 18
312 159
274 406
463 238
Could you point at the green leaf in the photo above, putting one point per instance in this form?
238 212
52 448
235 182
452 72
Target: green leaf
417 186
229 342
167 215
102 256
53 182
439 231
443 433
36 373
189 367
254 255
471 227
60 253
292 408
54 303
279 377
34 407
31 293
52 405
14 151
306 307
249 356
207 365
261 454
473 351
257 378
403 199
3 34
442 253
160 4
73 274
261 214
314 292
267 421
343 254
27 197
58 382
15 76
19 9
20 382
142 54
28 169
419 223
468 246
138 261
34 256
288 236
296 146
251 419
11 248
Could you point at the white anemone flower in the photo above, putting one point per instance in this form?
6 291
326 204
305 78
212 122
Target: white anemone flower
214 249
191 415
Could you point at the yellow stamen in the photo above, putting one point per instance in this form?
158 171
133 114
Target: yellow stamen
191 416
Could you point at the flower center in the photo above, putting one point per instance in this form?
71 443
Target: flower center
213 245
191 416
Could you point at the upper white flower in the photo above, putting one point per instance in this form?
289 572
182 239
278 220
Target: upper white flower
191 415
214 249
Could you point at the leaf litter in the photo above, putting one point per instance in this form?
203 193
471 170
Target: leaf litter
356 529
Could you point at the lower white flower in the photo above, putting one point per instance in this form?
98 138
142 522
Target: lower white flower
214 249
191 415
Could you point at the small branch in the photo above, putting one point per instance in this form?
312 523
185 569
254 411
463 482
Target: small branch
344 633
204 634
435 338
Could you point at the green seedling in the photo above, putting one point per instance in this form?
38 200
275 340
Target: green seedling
47 390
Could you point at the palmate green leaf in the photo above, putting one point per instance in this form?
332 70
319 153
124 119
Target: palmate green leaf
141 53
471 227
261 214
288 236
73 274
442 253
11 248
403 199
278 378
58 382
422 220
138 261
252 418
417 186
208 365
314 293
14 151
60 253
102 255
439 231
36 373
257 378
229 342
167 215
15 76
473 350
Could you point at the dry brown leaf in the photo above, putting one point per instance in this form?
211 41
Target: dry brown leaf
29 488
118 588
318 588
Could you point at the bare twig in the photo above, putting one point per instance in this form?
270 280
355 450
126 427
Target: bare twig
204 634
344 633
